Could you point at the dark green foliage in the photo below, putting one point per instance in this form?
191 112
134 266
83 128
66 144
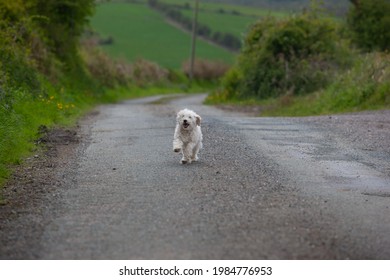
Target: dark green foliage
369 21
16 67
62 22
297 55
39 53
45 32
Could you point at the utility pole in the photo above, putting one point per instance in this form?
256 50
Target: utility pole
193 43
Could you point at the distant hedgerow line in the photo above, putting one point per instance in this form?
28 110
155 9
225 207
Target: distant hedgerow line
223 39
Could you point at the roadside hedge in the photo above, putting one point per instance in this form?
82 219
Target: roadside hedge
296 55
369 21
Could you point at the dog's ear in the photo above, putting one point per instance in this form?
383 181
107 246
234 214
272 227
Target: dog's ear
198 119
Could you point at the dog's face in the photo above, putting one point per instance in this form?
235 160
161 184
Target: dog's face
188 119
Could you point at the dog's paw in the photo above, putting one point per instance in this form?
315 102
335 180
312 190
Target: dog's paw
186 160
177 150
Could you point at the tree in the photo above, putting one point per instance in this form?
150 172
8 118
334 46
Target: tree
62 22
294 55
369 21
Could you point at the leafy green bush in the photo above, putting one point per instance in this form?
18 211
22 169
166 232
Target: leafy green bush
297 55
61 24
369 21
365 86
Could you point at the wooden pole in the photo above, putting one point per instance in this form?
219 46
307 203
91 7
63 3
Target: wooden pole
193 43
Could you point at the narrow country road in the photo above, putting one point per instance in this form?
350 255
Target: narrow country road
264 188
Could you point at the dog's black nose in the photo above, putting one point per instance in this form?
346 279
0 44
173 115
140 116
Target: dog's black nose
185 121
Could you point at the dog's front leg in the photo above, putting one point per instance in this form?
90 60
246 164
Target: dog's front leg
195 151
187 153
177 145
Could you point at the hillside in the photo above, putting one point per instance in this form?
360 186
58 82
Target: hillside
140 32
336 6
134 29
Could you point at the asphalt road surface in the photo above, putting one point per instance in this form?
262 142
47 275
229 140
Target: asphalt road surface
264 188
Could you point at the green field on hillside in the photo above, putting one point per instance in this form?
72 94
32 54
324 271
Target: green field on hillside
140 32
224 22
228 18
244 10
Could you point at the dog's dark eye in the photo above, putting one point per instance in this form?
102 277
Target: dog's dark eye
190 117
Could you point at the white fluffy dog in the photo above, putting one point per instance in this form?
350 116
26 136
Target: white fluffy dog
188 135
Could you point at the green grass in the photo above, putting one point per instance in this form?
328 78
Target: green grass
224 23
19 126
227 22
323 102
140 32
366 86
242 9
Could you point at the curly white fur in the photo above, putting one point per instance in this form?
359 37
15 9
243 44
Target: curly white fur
188 135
